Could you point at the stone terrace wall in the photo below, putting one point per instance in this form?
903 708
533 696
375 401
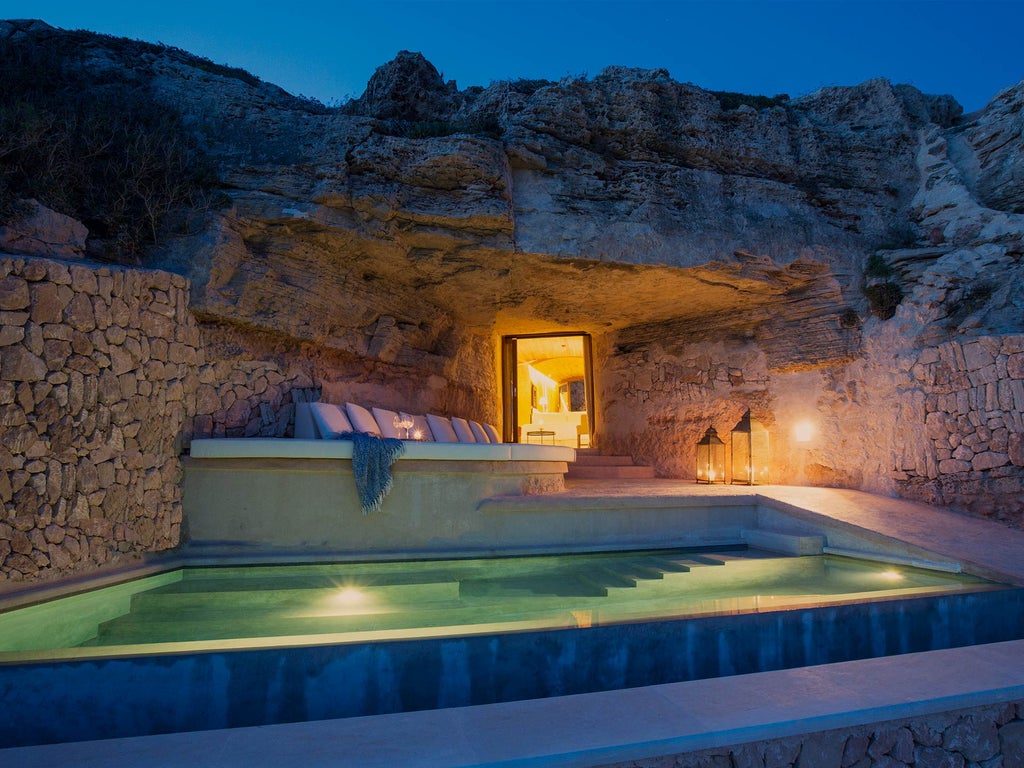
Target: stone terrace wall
105 375
656 403
944 425
974 419
249 398
990 735
98 372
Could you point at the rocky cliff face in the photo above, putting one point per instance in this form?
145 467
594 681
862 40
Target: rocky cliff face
630 177
717 247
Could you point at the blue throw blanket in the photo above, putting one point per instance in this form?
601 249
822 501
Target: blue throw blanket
372 458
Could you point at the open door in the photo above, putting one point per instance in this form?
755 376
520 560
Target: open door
548 390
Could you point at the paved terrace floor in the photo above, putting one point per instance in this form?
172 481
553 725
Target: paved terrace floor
986 547
602 728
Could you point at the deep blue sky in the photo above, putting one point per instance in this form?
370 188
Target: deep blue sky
328 50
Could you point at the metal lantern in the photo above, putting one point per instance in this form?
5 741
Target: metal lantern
710 458
749 452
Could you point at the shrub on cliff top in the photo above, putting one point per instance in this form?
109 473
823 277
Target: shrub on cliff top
729 100
92 145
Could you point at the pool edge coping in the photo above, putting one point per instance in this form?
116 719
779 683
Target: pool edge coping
589 729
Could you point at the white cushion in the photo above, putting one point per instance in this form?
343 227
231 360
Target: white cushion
463 430
492 433
330 419
386 421
478 432
362 419
420 427
441 429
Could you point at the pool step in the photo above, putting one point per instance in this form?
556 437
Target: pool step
586 579
217 603
130 628
281 580
263 597
167 616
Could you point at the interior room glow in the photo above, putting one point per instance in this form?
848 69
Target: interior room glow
539 380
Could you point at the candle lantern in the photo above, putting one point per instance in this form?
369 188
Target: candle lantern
710 458
749 452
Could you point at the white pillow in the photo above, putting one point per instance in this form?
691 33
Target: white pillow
478 432
441 429
463 430
330 419
362 419
386 421
492 433
420 425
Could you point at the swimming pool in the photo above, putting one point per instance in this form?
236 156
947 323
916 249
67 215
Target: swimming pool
224 647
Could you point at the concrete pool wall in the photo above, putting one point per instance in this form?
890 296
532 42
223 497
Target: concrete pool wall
106 697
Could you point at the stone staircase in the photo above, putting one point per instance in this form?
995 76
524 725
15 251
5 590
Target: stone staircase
592 465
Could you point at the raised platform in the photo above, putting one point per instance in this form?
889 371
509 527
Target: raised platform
283 493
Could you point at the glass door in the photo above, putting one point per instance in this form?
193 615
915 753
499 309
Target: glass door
547 385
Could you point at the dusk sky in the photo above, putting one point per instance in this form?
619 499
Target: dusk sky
328 50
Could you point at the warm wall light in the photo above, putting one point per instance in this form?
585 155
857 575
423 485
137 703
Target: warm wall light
710 458
803 431
749 452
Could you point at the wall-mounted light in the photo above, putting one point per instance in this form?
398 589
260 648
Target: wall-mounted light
710 458
749 452
803 431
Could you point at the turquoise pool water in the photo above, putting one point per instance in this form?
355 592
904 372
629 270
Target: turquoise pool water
360 601
202 648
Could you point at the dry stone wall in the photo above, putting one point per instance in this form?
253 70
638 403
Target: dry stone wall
656 403
988 736
105 376
943 424
249 398
974 420
97 382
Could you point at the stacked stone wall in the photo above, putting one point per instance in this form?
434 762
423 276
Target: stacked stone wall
249 398
106 375
974 422
990 736
655 403
943 425
97 385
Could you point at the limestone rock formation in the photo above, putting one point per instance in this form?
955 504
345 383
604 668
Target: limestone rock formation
42 231
715 246
407 88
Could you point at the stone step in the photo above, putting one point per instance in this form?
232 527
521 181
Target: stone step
615 472
599 460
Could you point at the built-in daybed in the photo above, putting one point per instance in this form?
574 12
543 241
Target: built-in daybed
301 493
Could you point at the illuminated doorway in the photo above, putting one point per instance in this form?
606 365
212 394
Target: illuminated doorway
548 389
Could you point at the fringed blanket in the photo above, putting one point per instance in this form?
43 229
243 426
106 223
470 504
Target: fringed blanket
372 458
